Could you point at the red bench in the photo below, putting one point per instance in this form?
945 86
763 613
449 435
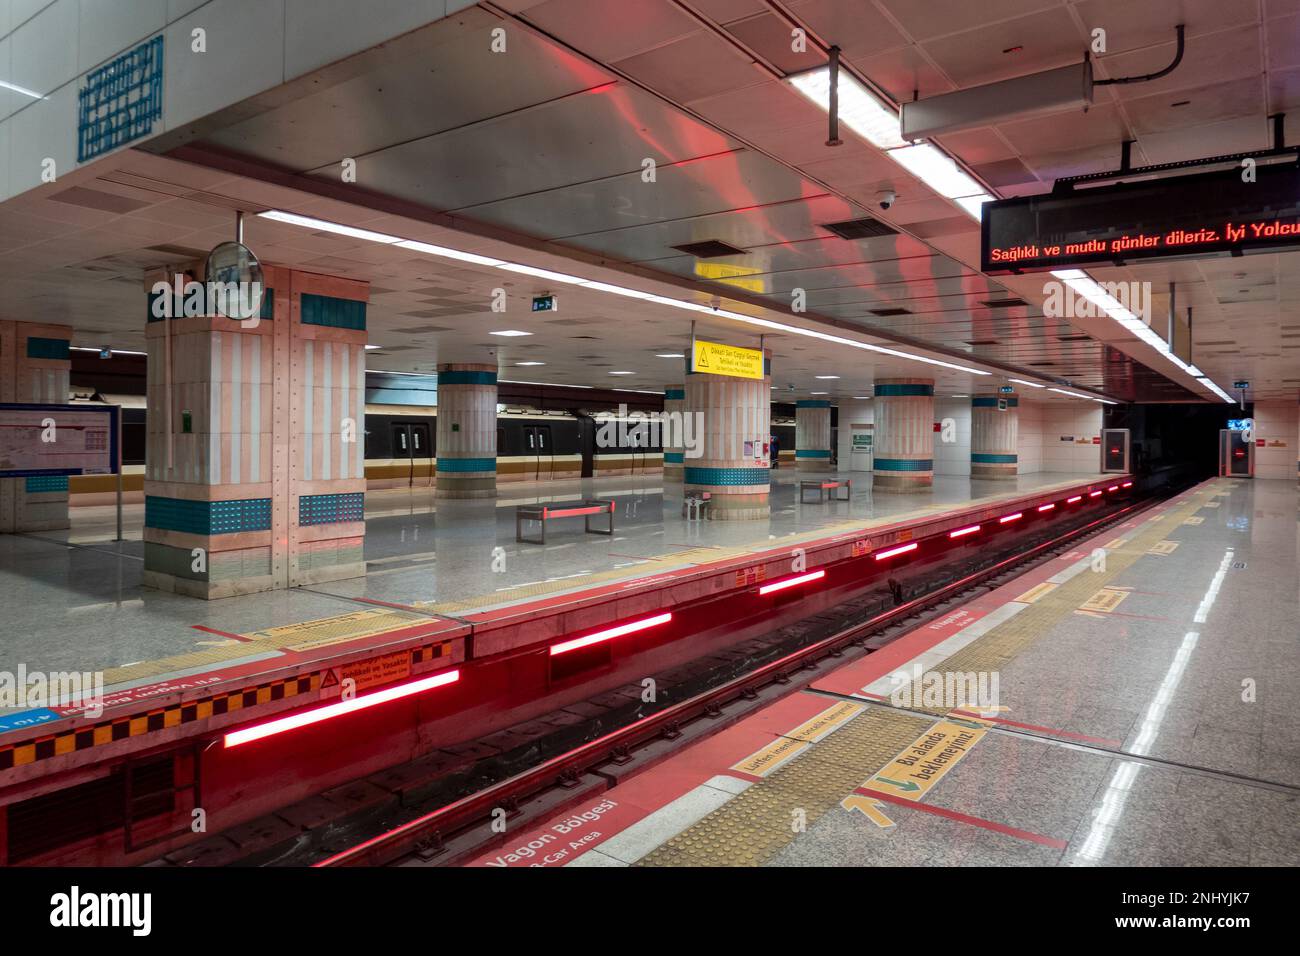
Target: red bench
824 485
566 509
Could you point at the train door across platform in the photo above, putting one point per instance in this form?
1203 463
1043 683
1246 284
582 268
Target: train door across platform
537 447
412 447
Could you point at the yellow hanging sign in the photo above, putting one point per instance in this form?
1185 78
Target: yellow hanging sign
718 359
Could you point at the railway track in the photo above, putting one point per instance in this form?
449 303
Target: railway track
466 826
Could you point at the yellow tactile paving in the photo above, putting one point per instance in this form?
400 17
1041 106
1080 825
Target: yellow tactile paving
751 827
754 825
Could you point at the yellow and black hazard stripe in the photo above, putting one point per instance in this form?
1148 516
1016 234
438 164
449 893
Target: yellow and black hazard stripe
176 715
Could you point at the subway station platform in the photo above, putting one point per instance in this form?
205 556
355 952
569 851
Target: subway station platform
178 670
79 603
1144 716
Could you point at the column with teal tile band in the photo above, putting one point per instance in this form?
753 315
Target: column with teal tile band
673 431
730 460
904 434
812 434
466 444
993 435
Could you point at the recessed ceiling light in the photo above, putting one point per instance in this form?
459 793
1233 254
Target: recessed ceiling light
669 355
371 348
530 363
622 373
861 398
826 376
819 393
510 333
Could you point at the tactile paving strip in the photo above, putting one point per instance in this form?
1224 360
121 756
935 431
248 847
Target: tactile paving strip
751 827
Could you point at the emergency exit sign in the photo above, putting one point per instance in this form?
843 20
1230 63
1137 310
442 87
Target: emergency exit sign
545 303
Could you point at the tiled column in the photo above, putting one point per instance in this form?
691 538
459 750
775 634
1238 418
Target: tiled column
812 435
467 431
34 366
674 412
734 466
993 432
256 480
904 434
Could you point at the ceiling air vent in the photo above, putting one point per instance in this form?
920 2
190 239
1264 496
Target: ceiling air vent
883 312
982 342
1073 338
864 228
709 249
1003 303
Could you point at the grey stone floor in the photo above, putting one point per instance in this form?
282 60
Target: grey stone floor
1219 782
73 600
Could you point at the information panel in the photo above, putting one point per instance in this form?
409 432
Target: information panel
40 440
1238 210
718 359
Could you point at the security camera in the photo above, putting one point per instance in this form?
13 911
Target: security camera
886 198
716 302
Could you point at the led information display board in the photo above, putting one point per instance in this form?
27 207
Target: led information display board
1193 216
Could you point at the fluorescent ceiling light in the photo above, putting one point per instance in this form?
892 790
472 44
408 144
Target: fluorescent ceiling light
83 348
550 384
1090 289
542 273
826 376
622 373
936 170
669 355
530 363
21 89
321 225
974 204
510 333
819 393
860 110
447 253
371 348
1064 392
325 226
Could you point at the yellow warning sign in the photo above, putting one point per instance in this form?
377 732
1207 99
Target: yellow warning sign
924 762
378 670
794 742
1105 600
732 275
826 721
764 761
718 359
1163 547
